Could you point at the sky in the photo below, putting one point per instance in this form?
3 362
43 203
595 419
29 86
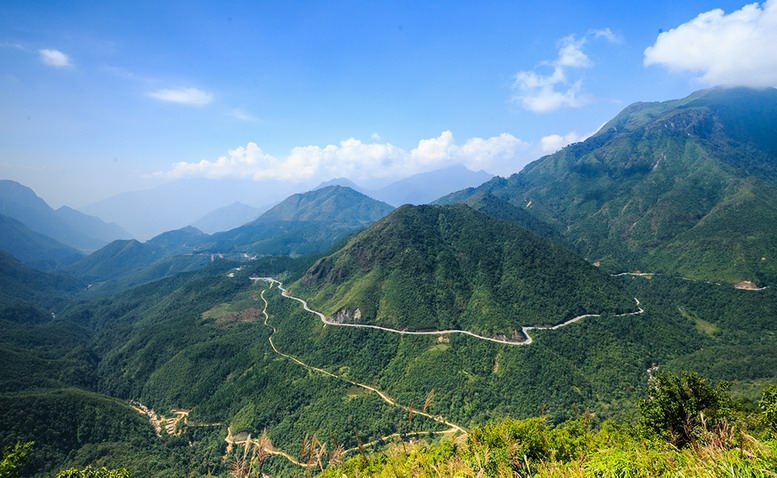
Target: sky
98 98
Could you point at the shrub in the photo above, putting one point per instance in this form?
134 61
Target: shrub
680 407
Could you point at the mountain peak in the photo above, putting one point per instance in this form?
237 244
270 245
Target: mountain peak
329 203
684 186
451 267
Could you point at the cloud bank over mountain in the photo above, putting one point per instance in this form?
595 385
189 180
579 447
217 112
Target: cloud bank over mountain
735 49
503 154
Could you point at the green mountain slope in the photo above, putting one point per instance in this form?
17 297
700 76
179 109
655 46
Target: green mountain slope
113 260
21 284
686 186
34 248
304 223
450 267
127 263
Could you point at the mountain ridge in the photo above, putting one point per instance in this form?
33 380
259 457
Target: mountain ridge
639 193
451 267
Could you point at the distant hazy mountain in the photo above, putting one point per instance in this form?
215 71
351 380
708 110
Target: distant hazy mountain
426 187
66 225
184 202
304 223
228 217
686 186
179 241
345 182
35 249
443 267
91 225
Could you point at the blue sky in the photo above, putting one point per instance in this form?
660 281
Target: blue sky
102 97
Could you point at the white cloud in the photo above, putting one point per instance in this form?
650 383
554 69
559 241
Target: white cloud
738 49
503 154
241 115
607 34
543 93
55 58
12 45
554 142
185 96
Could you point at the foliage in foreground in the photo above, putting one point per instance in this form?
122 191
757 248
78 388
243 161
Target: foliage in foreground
14 457
90 472
533 447
688 428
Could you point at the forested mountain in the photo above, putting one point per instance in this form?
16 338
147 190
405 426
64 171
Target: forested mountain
303 223
686 186
20 284
450 267
178 362
134 263
33 248
66 225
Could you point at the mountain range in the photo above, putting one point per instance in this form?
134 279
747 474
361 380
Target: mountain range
66 225
219 205
303 223
684 187
566 287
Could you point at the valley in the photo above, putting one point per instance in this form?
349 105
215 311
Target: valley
334 332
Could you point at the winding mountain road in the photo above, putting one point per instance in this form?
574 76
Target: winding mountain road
383 396
524 330
452 427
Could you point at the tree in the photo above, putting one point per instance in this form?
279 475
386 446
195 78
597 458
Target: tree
90 472
679 407
13 459
768 406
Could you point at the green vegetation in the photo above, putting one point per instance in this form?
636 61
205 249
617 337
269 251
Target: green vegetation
187 376
151 344
450 267
686 187
34 248
679 408
14 458
768 405
303 224
583 446
90 472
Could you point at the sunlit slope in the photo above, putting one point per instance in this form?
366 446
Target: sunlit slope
450 267
306 223
686 186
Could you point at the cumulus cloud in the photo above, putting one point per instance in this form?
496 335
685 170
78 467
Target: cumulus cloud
735 49
184 96
543 93
554 142
503 154
55 58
